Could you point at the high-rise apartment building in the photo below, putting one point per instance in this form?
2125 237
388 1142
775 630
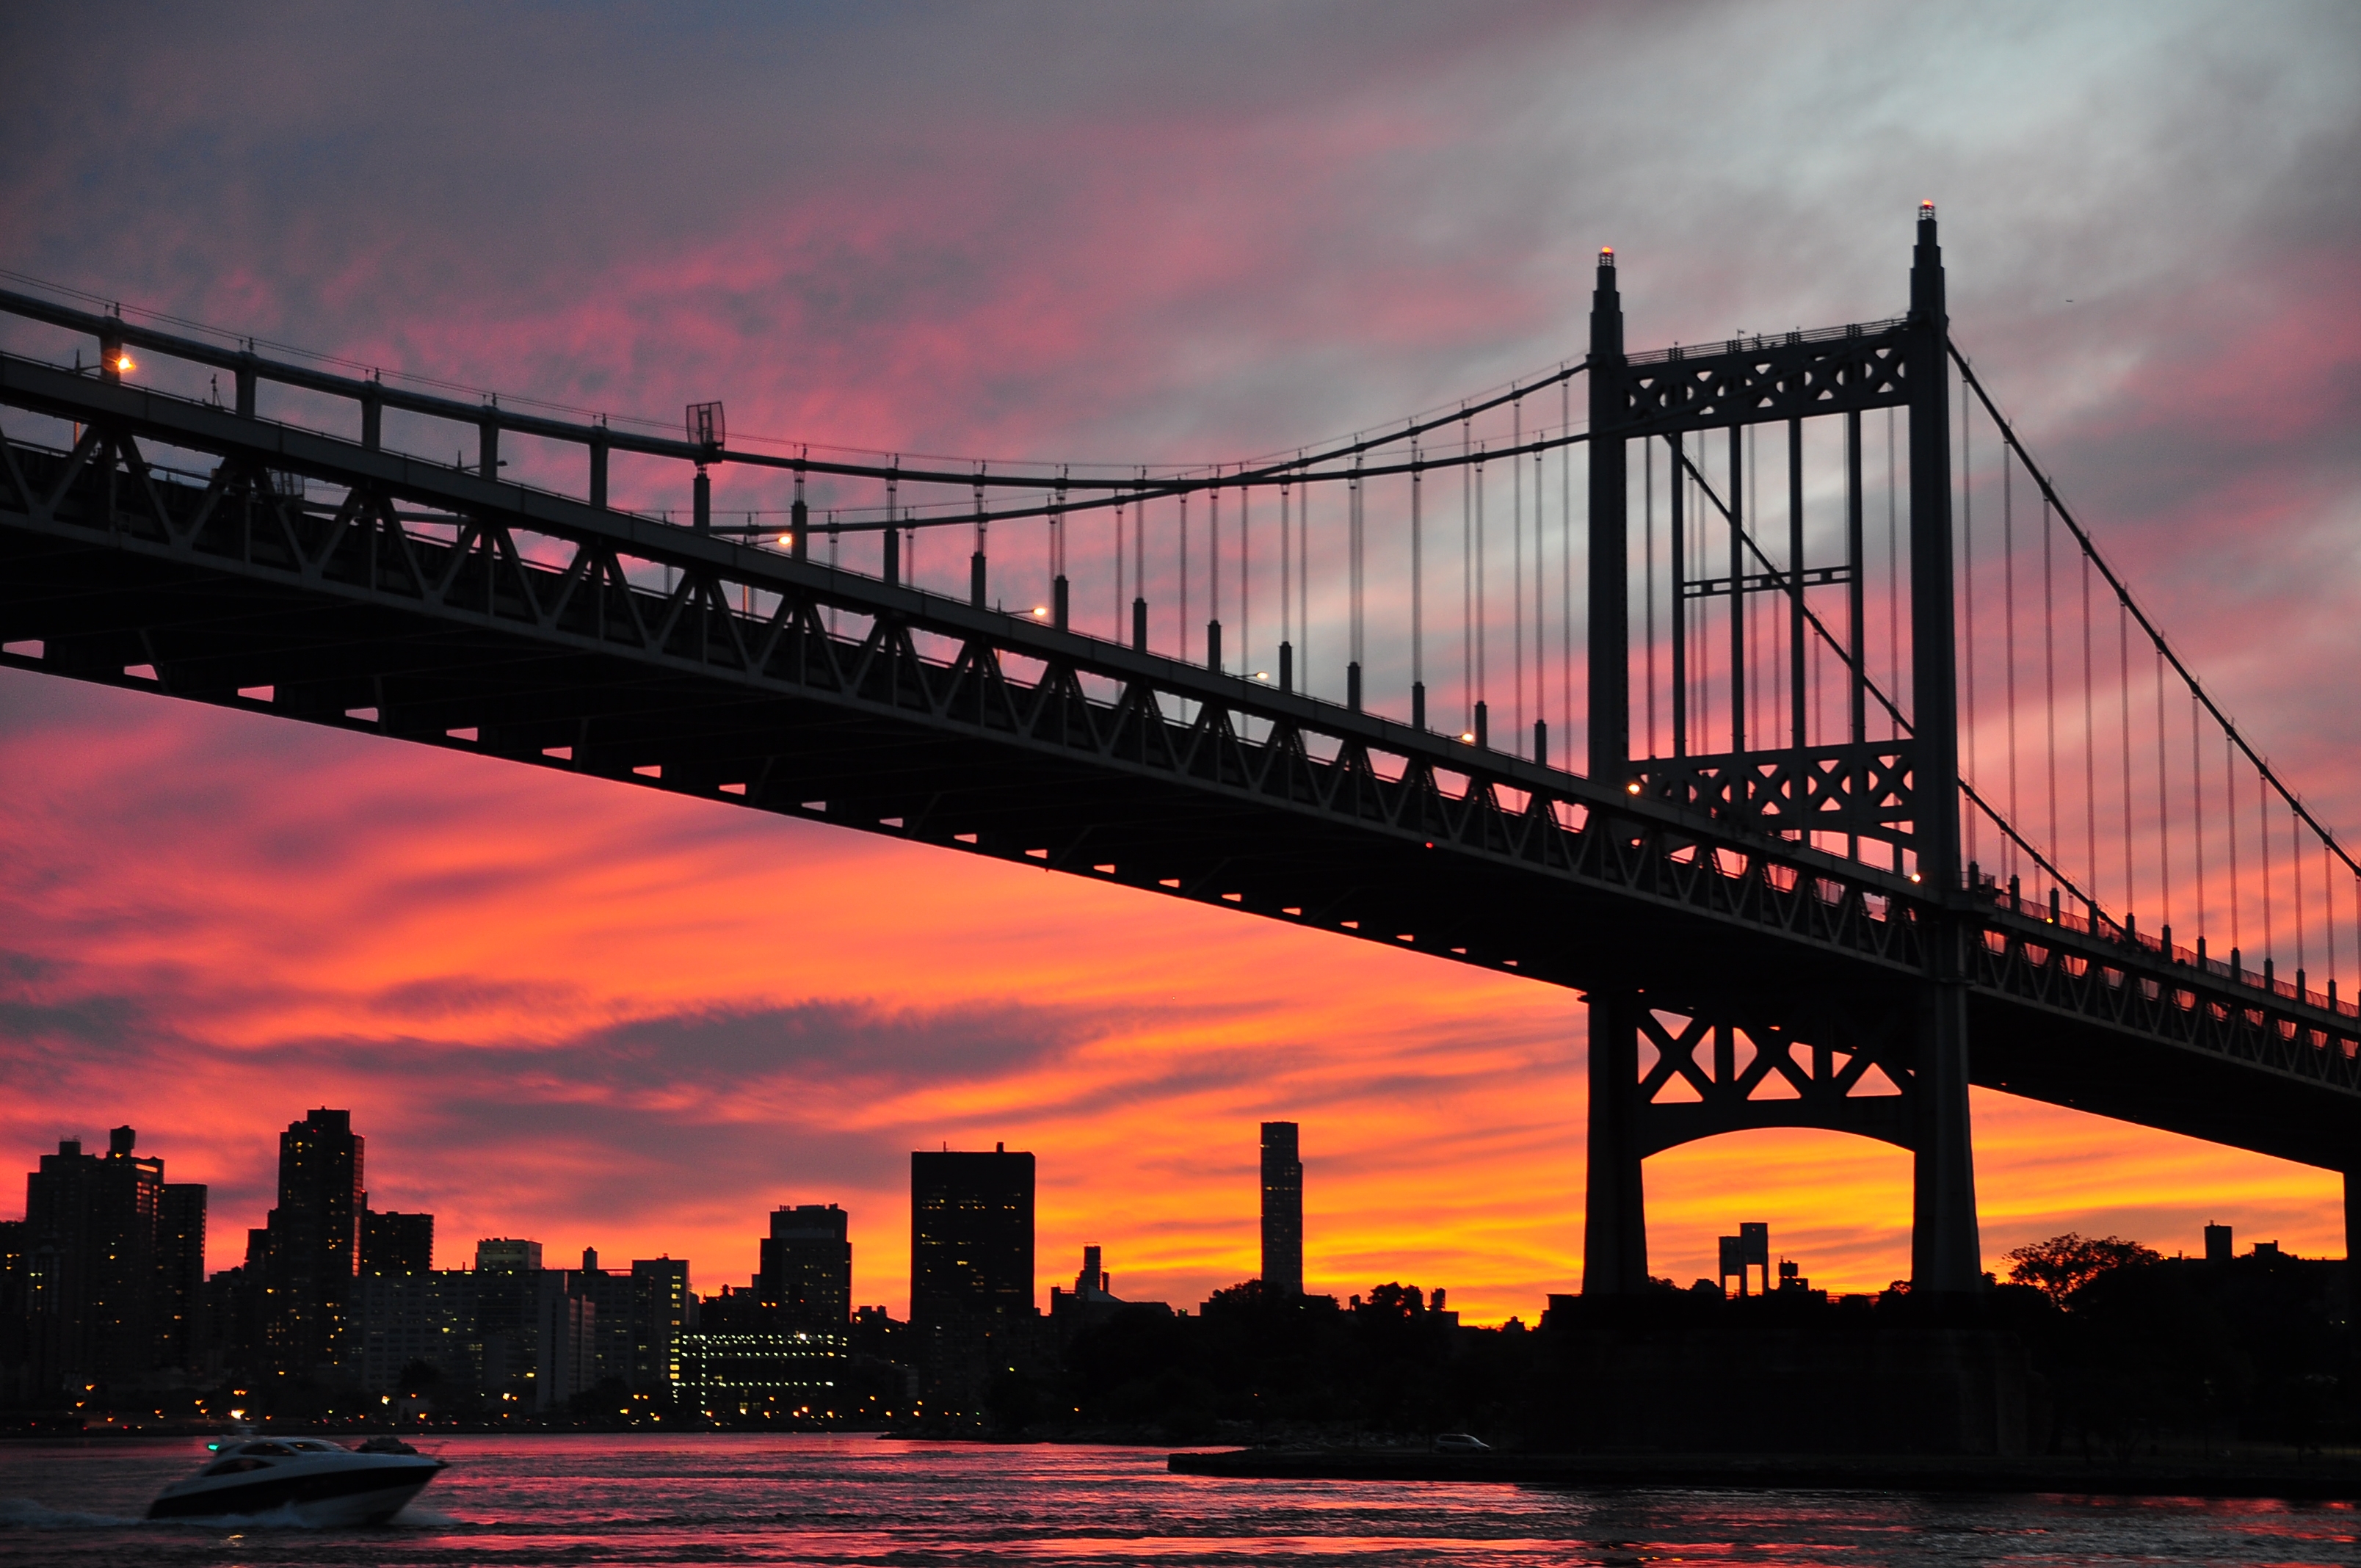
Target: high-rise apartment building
806 1266
397 1244
970 1236
315 1245
112 1258
1282 1211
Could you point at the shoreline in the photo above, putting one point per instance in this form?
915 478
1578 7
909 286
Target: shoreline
2321 1481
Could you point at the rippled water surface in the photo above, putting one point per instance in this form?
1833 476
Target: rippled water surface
525 1501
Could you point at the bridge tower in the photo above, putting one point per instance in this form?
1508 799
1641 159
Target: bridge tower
1820 1048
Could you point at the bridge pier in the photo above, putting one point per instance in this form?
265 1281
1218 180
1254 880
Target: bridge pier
2353 1244
1945 1248
1615 1216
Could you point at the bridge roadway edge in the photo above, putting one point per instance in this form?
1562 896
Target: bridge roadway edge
1018 796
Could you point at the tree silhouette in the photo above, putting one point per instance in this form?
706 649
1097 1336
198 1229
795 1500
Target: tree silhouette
2064 1264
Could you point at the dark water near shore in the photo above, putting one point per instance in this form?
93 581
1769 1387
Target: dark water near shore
527 1501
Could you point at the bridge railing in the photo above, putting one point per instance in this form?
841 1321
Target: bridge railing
2063 914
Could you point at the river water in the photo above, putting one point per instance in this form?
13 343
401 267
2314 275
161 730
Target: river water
522 1502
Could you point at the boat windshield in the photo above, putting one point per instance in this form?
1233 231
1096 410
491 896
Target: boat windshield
267 1448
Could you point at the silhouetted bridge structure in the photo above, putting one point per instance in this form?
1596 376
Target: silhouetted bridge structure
1766 931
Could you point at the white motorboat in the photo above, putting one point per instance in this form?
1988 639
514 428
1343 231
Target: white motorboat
301 1479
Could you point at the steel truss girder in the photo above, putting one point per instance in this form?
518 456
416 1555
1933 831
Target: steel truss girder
1861 790
1268 752
1749 1068
1757 381
1518 868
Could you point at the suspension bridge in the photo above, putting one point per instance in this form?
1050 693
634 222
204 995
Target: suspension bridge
1864 813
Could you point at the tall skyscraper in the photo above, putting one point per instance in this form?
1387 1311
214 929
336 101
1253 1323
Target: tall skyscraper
397 1244
1282 1211
970 1236
314 1251
806 1273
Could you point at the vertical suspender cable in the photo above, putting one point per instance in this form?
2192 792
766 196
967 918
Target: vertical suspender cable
2123 706
1757 672
2230 828
1541 639
1118 572
1967 609
1676 569
1483 676
1796 650
2008 644
1566 555
1181 643
1246 586
2049 667
1700 688
2263 819
1740 498
2328 908
2163 809
1517 573
1286 589
2197 806
2328 905
1354 523
1893 576
1303 587
1417 591
1467 574
1648 512
2090 751
1213 563
2295 880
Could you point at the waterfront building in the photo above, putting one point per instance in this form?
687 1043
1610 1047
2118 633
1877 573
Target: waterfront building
788 1372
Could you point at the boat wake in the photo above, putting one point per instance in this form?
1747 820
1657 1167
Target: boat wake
23 1513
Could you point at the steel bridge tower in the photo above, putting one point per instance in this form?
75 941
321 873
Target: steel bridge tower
1904 791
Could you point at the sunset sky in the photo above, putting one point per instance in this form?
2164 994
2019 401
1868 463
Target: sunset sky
594 1015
